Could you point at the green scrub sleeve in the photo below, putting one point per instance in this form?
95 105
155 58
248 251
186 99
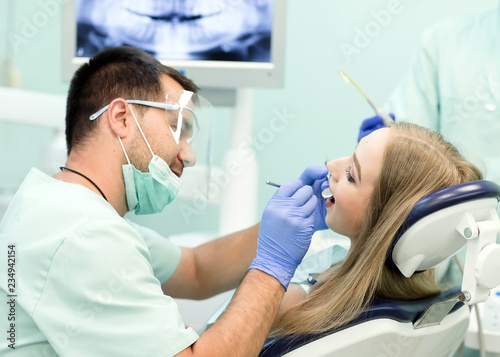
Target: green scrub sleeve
165 256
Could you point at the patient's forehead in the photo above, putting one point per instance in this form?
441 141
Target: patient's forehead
370 152
375 142
381 134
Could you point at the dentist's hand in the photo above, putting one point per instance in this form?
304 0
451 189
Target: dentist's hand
285 231
315 176
371 124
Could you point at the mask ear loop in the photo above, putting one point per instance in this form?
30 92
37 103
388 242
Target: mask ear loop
140 129
124 151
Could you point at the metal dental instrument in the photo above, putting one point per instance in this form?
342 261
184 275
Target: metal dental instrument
386 117
326 193
321 198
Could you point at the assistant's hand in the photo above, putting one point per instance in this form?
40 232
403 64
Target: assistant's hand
285 231
371 124
315 176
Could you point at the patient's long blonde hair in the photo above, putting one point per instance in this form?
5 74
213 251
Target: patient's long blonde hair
416 162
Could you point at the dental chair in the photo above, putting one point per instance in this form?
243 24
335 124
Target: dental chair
439 226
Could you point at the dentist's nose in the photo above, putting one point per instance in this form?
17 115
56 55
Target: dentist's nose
186 154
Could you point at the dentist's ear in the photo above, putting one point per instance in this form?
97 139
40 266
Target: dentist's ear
119 117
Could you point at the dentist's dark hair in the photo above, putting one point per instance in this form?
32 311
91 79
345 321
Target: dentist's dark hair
117 72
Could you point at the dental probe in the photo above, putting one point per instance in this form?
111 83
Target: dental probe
385 117
278 185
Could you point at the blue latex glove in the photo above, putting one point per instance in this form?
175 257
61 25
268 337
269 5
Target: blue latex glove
315 176
285 231
371 124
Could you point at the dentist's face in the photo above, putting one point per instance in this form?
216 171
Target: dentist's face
157 129
352 181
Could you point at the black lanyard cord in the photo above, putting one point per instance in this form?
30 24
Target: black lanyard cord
82 175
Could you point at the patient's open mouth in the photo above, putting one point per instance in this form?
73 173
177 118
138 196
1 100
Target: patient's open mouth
329 202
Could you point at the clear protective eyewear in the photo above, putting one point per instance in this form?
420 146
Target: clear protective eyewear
180 117
190 118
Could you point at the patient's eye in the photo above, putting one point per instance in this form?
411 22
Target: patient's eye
348 174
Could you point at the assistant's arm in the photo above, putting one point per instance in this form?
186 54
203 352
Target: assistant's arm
213 267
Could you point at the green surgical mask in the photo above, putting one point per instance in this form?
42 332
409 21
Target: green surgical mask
149 192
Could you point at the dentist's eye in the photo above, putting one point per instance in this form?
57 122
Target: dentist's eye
348 174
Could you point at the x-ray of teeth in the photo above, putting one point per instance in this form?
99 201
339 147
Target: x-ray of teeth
227 30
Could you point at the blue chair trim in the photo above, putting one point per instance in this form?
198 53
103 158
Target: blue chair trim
401 311
441 199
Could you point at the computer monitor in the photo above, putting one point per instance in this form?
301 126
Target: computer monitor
216 43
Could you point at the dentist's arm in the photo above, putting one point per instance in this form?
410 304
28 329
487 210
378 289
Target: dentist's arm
221 264
284 237
213 267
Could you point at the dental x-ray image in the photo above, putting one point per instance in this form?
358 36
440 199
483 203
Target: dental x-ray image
224 30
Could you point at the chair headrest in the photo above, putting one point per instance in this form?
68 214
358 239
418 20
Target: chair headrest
429 236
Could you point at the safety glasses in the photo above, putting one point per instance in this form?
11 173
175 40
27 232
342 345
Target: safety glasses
190 118
181 119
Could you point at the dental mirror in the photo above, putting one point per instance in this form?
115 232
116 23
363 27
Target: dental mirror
326 193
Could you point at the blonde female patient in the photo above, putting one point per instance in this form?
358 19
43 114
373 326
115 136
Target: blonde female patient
374 190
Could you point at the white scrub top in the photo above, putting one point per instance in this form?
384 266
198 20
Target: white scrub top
87 283
453 87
